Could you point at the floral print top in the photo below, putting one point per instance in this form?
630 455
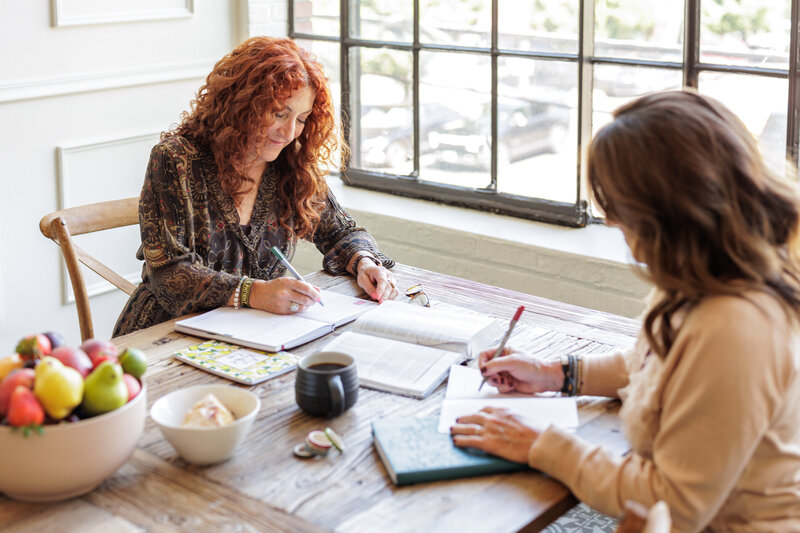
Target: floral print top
195 252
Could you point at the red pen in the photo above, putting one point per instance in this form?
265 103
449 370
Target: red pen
500 348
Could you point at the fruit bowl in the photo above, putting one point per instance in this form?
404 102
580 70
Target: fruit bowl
69 459
205 445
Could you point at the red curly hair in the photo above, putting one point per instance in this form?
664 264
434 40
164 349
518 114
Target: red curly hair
237 104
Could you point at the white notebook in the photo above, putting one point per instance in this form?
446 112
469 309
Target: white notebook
270 332
407 349
463 398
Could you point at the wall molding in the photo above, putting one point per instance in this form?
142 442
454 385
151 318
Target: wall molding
59 85
64 200
67 13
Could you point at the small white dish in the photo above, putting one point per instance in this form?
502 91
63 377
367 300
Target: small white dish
206 445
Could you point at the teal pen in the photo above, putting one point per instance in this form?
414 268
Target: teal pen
277 253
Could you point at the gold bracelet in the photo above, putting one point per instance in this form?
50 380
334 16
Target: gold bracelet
247 284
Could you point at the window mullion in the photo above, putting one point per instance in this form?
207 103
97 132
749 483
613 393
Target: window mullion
691 43
793 115
585 87
415 81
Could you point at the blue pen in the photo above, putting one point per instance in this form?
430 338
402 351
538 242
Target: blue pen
277 253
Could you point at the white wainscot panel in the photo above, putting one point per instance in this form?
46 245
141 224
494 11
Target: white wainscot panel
99 171
79 12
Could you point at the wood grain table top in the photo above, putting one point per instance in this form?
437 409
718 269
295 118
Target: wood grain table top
265 488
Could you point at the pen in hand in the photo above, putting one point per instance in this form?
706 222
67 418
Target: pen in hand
277 253
502 346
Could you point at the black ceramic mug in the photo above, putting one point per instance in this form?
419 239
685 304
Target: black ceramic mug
326 383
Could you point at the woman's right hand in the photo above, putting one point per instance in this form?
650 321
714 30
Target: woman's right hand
283 296
517 371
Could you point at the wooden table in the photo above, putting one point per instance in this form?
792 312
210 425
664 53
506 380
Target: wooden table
265 488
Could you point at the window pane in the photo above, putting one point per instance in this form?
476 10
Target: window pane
539 25
382 110
455 22
764 116
615 85
328 54
639 29
455 111
752 33
537 128
382 20
320 17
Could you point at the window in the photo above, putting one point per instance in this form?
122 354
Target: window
489 104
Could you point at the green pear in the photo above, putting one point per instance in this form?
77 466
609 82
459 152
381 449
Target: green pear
59 388
104 389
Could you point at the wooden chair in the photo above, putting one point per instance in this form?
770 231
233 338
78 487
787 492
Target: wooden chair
638 519
61 225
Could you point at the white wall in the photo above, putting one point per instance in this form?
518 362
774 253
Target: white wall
83 94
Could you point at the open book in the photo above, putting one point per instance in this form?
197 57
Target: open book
463 398
270 332
408 349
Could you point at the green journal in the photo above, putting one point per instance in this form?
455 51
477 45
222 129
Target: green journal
413 451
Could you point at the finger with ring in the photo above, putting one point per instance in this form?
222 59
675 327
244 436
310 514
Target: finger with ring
294 307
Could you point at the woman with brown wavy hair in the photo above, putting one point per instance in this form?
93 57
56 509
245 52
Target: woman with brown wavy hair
711 389
244 171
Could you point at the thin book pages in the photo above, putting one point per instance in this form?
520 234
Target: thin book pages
238 364
408 350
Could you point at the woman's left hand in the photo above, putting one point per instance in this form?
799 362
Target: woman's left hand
496 431
377 281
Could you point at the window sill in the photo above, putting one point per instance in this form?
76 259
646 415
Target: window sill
595 241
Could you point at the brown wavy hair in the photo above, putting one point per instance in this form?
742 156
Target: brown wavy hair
684 178
237 104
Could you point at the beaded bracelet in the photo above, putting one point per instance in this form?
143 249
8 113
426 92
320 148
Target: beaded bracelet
247 284
236 294
571 366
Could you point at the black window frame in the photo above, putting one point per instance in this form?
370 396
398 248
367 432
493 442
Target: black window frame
576 214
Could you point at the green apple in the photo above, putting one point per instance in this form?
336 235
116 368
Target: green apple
134 362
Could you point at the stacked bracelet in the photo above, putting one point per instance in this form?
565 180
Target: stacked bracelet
236 294
246 285
571 365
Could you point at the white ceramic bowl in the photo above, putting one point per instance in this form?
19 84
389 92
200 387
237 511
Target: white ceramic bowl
205 446
68 460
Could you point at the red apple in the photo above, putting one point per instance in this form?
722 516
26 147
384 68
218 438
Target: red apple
134 387
96 349
75 358
20 377
102 359
34 346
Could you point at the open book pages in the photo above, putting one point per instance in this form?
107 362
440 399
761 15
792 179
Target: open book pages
395 366
270 332
463 398
408 349
449 330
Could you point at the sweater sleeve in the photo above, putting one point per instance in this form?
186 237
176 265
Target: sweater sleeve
603 374
338 238
180 281
723 388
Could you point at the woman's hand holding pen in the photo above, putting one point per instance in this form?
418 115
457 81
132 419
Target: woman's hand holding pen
517 371
283 296
377 281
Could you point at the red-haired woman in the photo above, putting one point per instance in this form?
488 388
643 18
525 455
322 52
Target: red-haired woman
242 172
711 391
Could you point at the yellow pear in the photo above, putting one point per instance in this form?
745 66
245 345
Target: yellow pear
59 388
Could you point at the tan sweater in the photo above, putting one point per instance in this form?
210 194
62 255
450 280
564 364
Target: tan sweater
714 428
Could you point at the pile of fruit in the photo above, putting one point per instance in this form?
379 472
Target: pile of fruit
48 382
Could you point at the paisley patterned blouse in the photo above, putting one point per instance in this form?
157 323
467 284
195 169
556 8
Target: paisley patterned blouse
195 252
